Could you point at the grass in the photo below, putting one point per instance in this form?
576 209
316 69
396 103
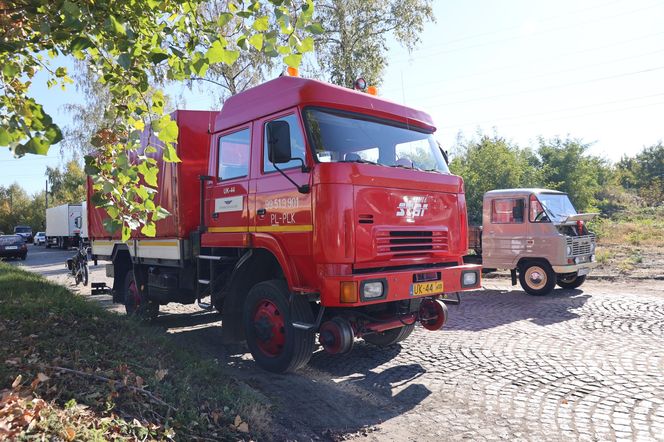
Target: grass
69 370
638 227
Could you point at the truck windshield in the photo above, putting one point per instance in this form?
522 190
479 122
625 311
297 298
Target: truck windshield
557 206
345 137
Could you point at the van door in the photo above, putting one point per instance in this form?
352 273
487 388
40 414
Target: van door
504 235
227 198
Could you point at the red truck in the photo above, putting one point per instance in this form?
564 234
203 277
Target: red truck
301 209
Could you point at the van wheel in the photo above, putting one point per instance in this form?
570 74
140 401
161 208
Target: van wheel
389 337
135 302
571 282
537 278
268 319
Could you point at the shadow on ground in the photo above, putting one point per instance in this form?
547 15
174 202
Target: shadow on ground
487 309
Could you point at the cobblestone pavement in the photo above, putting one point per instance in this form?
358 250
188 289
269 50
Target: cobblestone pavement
575 365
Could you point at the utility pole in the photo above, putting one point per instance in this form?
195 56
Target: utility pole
46 194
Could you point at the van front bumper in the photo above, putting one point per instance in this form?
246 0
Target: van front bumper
574 268
399 285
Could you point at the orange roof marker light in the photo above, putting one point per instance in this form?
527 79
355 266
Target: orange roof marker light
292 72
372 90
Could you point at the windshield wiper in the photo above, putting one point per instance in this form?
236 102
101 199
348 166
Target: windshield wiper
359 160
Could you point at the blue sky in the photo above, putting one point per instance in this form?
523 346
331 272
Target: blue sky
592 70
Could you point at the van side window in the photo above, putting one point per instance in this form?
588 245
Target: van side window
507 211
234 155
297 145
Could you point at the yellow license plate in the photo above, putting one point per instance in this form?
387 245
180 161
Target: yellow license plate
426 288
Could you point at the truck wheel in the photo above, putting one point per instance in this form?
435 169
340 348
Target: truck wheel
571 282
537 278
268 319
135 303
389 337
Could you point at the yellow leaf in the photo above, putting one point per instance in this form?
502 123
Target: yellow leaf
160 374
243 427
42 377
70 433
238 420
18 379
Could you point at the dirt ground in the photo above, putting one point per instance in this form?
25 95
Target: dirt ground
582 364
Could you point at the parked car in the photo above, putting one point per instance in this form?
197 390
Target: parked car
13 246
24 231
40 238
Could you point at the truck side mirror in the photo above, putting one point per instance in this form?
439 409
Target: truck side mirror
278 142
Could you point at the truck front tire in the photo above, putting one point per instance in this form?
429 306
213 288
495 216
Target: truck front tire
537 278
268 318
571 282
389 337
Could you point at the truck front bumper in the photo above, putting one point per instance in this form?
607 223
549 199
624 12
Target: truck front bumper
351 290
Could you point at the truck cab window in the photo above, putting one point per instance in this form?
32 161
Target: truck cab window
297 145
234 155
507 211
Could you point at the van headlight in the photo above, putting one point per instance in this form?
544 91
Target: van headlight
469 279
592 247
569 250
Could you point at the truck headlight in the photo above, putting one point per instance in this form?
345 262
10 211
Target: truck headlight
592 247
569 250
372 289
468 279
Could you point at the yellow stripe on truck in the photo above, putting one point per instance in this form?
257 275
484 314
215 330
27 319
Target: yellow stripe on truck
243 229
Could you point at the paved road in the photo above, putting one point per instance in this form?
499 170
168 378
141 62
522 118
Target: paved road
575 365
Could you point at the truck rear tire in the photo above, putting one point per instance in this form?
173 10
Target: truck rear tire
135 303
389 337
537 278
571 282
268 319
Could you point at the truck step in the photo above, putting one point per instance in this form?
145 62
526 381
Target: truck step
203 281
205 305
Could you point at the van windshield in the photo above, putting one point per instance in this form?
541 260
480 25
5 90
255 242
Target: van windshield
22 229
345 137
557 206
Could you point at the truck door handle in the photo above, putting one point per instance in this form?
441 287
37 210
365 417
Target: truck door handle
261 212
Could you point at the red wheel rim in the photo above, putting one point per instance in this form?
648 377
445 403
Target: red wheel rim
433 314
269 328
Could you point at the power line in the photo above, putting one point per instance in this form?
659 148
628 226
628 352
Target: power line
567 117
490 70
593 80
530 77
493 42
516 117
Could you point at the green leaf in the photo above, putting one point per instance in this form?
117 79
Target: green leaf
124 60
10 69
80 43
261 23
5 138
157 57
170 154
256 41
149 229
126 232
116 26
160 214
224 19
53 134
315 28
306 45
293 60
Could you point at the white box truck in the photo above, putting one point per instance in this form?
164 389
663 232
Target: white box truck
63 225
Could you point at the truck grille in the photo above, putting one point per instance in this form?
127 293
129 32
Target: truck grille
407 242
581 245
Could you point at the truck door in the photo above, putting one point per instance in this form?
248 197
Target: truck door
504 233
281 211
227 198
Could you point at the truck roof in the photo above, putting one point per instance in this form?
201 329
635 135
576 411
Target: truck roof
521 191
287 92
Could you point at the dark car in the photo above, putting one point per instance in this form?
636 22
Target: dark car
13 246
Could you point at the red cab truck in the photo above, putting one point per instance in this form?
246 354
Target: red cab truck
303 210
